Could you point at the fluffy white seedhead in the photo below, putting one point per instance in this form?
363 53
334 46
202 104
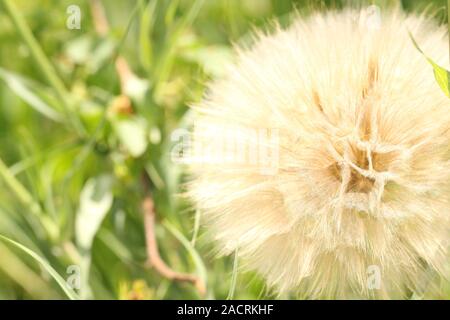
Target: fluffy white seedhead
337 181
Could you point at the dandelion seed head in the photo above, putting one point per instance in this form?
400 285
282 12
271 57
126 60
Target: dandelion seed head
362 173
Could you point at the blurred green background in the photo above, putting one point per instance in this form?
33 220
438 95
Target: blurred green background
73 149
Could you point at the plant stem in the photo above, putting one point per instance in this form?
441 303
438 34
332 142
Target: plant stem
233 276
42 61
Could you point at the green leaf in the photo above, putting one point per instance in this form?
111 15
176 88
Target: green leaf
441 75
43 62
89 51
95 201
196 227
102 54
79 49
147 21
27 200
61 282
132 133
213 59
23 89
115 245
136 88
442 78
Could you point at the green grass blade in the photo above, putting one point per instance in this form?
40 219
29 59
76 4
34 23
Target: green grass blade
22 89
61 282
196 227
167 57
200 266
16 270
27 200
234 276
147 21
441 75
42 62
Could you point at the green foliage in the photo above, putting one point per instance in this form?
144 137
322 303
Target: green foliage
71 160
441 75
61 282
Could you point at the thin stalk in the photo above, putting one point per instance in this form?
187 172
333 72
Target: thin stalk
233 277
27 200
196 227
42 61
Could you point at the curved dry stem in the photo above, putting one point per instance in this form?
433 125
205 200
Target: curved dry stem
154 259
